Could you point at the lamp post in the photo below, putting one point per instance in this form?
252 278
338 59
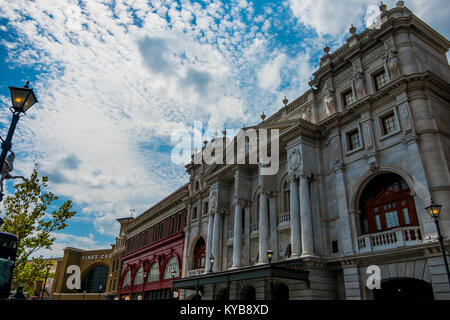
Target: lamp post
269 256
211 259
143 284
434 210
45 281
174 273
100 287
22 100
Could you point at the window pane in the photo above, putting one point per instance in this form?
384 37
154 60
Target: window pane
172 264
380 80
377 218
153 273
389 125
406 216
391 219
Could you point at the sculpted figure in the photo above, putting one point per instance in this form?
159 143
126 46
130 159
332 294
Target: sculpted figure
359 84
7 168
393 64
330 101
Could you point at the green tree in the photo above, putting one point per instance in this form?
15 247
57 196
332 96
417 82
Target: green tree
30 214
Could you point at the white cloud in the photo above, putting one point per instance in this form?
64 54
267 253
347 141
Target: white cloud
269 76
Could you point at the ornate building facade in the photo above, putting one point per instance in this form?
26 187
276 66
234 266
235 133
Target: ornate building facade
362 153
154 250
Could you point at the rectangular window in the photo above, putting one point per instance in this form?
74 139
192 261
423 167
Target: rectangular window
391 219
334 246
406 216
161 231
179 222
389 124
380 80
205 207
378 221
194 213
172 225
353 140
348 98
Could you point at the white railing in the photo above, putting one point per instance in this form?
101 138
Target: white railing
196 272
407 236
284 217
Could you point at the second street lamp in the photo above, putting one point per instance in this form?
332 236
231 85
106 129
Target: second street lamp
174 273
211 260
434 210
22 100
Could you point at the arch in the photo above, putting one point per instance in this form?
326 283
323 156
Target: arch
95 279
139 276
222 294
280 291
285 194
199 254
386 203
191 247
154 273
171 264
362 181
247 293
407 289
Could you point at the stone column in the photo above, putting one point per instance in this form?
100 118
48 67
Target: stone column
345 228
263 227
305 217
247 235
296 245
216 241
273 227
186 243
237 238
209 241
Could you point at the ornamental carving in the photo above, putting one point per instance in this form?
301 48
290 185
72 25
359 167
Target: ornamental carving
404 115
307 114
212 202
294 160
336 149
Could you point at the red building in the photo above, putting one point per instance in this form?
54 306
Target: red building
154 250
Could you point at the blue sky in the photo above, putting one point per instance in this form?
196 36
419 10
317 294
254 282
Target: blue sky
115 79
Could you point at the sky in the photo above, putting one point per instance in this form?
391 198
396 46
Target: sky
116 79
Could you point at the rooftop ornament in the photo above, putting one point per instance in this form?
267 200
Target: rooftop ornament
383 7
352 30
400 4
285 101
326 49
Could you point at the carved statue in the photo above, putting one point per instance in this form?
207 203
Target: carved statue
330 101
359 84
7 168
294 160
212 201
307 114
393 63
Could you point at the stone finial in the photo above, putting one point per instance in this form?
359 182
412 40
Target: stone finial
383 7
352 30
263 116
224 133
285 101
326 49
400 4
205 142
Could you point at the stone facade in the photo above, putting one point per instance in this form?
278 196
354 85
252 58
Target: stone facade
378 105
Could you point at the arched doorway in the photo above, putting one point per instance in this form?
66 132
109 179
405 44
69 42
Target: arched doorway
407 289
200 254
280 291
248 293
95 280
386 203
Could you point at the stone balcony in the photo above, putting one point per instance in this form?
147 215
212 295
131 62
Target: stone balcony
284 221
196 272
401 237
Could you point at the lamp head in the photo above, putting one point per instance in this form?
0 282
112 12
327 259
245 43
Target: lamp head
211 260
269 254
434 210
22 98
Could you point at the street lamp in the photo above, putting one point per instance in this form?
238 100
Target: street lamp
434 210
45 281
211 259
22 100
174 273
269 256
100 287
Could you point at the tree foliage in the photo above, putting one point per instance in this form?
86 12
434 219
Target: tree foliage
30 214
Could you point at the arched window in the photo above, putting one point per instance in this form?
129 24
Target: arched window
386 203
172 264
95 279
139 276
200 254
286 196
153 274
127 279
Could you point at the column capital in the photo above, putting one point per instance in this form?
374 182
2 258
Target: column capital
292 177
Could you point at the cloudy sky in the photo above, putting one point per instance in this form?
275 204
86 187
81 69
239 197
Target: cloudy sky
116 79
